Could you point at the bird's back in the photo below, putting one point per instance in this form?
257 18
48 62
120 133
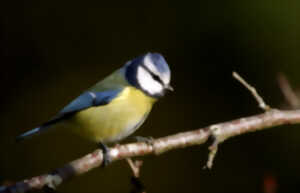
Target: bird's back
114 81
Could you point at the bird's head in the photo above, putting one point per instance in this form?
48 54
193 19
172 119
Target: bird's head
149 73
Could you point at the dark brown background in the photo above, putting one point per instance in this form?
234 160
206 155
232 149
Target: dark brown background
52 50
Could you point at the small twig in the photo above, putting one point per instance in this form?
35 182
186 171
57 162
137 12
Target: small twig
253 91
135 166
213 149
288 92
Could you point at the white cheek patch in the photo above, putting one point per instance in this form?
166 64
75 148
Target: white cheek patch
165 77
147 83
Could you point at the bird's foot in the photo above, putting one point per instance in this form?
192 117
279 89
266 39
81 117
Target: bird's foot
106 157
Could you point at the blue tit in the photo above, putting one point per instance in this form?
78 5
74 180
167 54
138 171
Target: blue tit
118 105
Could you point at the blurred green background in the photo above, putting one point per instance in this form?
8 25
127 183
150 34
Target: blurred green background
52 50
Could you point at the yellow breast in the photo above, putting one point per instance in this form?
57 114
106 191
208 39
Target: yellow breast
116 120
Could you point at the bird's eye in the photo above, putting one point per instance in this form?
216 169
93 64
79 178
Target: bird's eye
155 77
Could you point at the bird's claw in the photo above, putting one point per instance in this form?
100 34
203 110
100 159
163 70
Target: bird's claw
106 157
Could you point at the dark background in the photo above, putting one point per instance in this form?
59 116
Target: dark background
52 50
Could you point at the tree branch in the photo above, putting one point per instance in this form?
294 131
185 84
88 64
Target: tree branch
220 131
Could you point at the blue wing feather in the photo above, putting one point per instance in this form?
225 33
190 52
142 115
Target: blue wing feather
84 101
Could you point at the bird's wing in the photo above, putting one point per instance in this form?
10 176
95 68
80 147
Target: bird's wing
86 100
100 94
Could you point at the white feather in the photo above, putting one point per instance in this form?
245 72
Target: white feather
147 82
165 77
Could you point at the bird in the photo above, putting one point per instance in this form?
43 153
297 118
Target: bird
116 106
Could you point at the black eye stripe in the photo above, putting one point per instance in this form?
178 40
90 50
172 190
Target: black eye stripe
154 76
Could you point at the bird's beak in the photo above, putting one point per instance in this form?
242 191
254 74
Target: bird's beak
169 88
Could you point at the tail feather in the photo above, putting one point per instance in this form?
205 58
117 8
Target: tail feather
28 134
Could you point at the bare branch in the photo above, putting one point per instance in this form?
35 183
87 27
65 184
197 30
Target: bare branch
258 98
220 132
288 92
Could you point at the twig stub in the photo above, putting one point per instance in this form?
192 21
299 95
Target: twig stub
258 98
135 166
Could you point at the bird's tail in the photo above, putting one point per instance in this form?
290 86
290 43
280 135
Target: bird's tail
29 134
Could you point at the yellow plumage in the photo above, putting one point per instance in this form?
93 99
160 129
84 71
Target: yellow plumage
116 120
